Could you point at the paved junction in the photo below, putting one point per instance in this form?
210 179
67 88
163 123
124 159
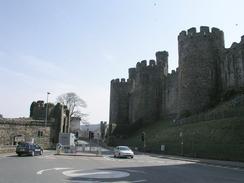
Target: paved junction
51 168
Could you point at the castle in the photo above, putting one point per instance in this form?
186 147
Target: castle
44 125
207 71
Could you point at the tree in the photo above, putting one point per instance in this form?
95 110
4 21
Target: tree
74 103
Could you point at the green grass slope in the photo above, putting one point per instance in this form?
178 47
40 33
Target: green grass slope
216 139
197 136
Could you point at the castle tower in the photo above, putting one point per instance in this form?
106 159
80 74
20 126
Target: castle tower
199 55
232 67
162 61
119 104
146 91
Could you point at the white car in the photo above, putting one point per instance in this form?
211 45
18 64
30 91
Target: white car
123 151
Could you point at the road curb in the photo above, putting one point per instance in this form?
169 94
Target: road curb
78 154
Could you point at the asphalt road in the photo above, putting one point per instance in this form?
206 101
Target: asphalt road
50 168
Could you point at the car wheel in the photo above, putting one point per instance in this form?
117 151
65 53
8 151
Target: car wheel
132 157
33 153
18 154
119 155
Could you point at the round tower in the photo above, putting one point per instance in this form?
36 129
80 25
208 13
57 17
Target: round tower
119 103
199 55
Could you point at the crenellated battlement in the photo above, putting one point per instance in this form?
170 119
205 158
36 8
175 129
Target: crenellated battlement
173 73
234 45
152 63
120 82
204 33
242 39
144 64
132 73
162 54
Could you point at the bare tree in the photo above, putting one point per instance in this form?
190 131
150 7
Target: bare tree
82 116
74 103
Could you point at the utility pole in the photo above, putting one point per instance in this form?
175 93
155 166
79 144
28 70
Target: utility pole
46 117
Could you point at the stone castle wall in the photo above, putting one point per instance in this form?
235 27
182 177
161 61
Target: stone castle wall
207 70
232 66
119 98
26 128
145 92
171 92
45 133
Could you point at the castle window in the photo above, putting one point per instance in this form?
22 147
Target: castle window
40 133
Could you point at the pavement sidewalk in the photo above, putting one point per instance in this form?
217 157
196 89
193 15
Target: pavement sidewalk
87 154
232 164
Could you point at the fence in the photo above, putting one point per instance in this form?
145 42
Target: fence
93 147
213 115
233 152
7 148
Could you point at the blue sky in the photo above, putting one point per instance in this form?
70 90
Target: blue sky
80 45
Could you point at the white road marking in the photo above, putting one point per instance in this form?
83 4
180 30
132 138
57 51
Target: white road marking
41 171
47 157
134 181
97 174
134 171
108 158
81 181
221 166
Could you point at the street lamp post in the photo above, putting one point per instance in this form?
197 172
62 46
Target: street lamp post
46 110
182 143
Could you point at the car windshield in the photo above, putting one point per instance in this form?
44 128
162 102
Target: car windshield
124 148
23 145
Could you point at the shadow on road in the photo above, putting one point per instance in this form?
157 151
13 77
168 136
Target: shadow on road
184 173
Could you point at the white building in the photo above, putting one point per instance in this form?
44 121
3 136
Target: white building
95 128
